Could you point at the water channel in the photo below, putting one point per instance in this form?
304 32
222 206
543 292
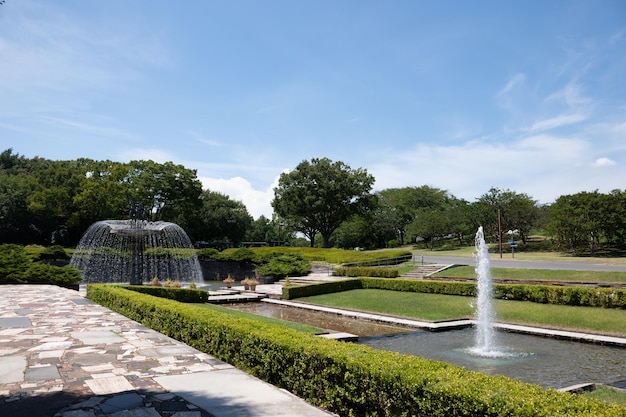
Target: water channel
544 361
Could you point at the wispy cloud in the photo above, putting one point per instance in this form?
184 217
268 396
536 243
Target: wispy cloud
202 139
516 81
84 127
558 121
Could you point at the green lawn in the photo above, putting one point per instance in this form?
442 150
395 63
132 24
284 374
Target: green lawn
608 394
446 307
537 274
236 313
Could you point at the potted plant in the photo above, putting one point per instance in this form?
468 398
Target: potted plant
252 283
246 284
229 281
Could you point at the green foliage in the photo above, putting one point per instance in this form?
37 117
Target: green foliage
546 294
16 267
208 254
14 263
345 378
280 265
331 255
49 274
297 291
580 222
318 196
53 252
239 255
183 295
219 219
366 271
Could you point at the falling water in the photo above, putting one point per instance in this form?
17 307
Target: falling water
136 251
485 343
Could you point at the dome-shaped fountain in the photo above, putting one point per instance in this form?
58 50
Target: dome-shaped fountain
135 251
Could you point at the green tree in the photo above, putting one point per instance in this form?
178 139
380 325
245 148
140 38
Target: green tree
402 206
167 191
518 211
581 221
320 195
220 219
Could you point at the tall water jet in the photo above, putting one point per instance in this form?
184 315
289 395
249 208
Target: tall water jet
135 251
485 344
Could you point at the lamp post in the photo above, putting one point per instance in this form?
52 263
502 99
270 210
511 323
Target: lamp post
511 234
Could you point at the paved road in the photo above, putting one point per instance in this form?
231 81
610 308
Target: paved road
516 263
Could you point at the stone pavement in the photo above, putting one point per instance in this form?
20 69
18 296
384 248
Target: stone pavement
63 356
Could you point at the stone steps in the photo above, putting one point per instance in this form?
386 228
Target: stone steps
425 270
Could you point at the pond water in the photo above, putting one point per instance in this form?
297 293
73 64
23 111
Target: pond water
320 319
544 361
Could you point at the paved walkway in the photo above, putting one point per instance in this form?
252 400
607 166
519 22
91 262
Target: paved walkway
63 356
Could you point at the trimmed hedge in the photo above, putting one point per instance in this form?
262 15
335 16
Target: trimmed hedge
183 295
544 294
366 271
296 291
345 378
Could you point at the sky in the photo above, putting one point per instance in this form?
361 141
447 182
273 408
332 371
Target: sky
527 96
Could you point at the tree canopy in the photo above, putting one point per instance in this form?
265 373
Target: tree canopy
319 195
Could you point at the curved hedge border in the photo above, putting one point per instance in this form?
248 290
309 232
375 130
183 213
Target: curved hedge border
346 378
545 294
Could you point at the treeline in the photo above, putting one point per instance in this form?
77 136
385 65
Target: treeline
53 202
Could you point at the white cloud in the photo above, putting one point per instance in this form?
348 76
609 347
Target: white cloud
258 202
603 162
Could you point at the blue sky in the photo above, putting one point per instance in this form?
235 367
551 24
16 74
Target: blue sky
528 96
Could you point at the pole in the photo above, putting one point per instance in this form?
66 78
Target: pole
499 233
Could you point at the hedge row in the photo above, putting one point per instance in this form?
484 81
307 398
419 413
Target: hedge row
366 271
544 294
345 378
183 295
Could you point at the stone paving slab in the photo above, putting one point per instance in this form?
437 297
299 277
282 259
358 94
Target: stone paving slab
74 358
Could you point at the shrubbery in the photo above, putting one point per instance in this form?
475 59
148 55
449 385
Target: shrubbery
366 271
545 294
53 252
16 267
280 266
183 295
345 378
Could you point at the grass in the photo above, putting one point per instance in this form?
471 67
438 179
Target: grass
242 314
446 307
522 255
537 274
608 395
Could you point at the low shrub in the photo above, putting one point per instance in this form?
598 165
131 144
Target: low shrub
208 254
183 295
297 291
16 267
345 378
39 273
53 252
280 265
366 271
